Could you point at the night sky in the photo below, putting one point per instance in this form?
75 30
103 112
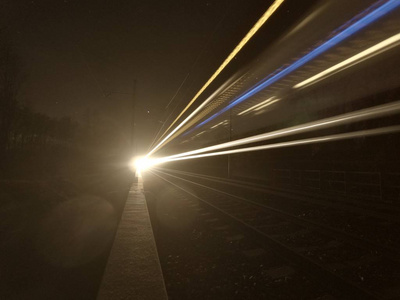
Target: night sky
84 56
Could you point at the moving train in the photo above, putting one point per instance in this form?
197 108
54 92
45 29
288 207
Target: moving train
317 111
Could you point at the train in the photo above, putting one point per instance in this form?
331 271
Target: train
321 104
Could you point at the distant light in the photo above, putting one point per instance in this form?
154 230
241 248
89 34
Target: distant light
140 164
366 54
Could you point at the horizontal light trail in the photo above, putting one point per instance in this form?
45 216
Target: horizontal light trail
200 133
267 104
328 138
255 106
231 56
220 123
352 117
360 57
341 36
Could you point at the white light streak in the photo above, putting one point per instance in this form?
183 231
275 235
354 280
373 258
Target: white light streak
200 133
360 57
220 123
267 104
360 115
256 106
328 138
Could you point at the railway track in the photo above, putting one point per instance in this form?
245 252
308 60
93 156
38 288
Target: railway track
364 225
357 267
213 259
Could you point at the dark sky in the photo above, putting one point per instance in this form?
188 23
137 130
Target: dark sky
81 55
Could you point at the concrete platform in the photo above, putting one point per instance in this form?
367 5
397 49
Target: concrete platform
133 270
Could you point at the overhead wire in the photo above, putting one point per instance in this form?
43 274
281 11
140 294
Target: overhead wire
201 53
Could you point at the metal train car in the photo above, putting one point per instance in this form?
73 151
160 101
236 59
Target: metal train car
318 110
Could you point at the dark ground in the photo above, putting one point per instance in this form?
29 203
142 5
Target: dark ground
58 216
204 258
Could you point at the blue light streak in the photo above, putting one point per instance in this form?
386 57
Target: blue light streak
279 74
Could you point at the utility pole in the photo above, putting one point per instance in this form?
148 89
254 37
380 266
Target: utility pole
132 133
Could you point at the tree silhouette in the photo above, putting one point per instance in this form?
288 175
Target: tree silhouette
9 82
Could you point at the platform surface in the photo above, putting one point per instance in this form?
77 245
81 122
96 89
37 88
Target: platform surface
133 270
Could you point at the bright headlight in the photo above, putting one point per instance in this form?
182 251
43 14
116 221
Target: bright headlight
142 163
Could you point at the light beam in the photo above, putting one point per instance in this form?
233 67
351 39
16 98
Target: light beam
360 57
327 138
348 118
